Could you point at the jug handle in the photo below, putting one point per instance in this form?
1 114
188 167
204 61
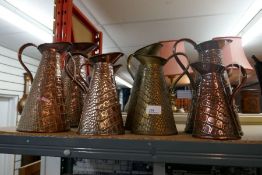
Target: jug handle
129 66
243 80
20 53
185 69
184 72
81 83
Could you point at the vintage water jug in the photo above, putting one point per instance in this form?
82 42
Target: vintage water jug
258 68
44 110
153 113
152 49
101 113
215 116
74 95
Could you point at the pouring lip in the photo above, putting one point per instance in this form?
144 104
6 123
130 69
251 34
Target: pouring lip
101 57
82 47
147 46
59 46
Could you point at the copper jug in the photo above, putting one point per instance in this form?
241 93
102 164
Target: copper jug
153 113
44 110
74 95
22 101
152 49
101 113
214 114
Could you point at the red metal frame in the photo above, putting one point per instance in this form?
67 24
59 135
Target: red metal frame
63 29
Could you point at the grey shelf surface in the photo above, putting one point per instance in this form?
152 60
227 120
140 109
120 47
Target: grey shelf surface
180 148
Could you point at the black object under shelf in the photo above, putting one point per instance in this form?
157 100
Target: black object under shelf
182 148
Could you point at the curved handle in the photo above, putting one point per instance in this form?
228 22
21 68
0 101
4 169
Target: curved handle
20 53
243 80
129 66
185 69
186 40
81 83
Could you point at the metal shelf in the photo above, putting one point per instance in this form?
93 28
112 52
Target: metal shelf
180 148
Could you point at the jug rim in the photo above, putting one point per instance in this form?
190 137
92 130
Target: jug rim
102 57
147 46
162 60
59 46
213 44
82 47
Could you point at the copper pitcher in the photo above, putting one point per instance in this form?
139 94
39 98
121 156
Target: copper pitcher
44 110
22 101
152 49
101 113
213 114
153 113
74 95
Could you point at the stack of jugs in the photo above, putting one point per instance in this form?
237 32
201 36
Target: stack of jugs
213 114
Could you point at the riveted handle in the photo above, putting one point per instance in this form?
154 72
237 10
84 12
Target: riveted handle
20 53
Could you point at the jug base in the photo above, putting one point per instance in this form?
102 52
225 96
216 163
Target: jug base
217 137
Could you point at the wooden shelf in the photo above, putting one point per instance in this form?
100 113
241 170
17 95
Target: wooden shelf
180 148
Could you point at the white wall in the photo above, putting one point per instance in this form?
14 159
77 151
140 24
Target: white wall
11 89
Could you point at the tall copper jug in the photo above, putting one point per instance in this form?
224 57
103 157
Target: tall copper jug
101 113
152 49
74 95
44 110
153 113
213 115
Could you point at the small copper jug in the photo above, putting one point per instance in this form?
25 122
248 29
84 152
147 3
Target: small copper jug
22 101
74 95
44 110
213 114
152 49
153 113
101 113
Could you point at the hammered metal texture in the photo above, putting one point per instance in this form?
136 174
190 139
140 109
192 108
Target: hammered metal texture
73 93
133 97
45 109
153 91
101 111
214 118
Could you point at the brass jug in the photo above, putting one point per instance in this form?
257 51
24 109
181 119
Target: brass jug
152 49
44 110
101 113
74 95
153 113
22 101
213 114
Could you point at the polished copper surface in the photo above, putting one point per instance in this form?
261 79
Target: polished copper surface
153 92
74 94
101 113
22 101
215 117
44 110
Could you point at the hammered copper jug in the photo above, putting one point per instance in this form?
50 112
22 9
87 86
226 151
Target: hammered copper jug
44 110
153 113
74 95
213 114
152 49
101 113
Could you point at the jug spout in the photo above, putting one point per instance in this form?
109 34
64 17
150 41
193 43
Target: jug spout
152 49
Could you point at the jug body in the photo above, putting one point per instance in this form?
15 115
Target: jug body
101 113
153 113
152 49
214 118
74 94
44 110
